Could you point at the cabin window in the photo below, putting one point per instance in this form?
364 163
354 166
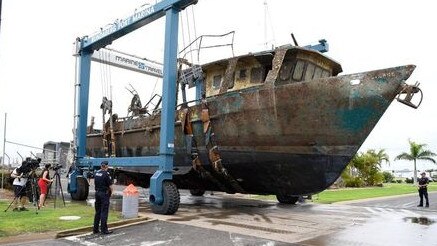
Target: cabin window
309 73
298 70
317 73
256 75
326 74
284 74
217 81
243 74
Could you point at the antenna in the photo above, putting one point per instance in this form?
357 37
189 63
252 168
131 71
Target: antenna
265 24
132 90
294 40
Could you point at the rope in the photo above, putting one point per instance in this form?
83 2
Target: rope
189 34
195 29
102 79
182 31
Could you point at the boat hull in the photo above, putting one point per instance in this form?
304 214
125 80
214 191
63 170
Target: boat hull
291 139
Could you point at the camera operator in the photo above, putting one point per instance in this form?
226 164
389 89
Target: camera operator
43 182
19 185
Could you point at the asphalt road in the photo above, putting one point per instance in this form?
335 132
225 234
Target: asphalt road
222 219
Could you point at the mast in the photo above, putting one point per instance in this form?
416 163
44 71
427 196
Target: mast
0 14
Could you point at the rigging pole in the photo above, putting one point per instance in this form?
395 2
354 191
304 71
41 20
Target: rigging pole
0 15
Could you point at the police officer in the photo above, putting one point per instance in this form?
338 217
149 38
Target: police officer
103 185
423 189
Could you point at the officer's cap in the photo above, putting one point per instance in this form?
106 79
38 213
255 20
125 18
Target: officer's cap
423 173
104 163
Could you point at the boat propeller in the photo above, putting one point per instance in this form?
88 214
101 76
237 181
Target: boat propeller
407 93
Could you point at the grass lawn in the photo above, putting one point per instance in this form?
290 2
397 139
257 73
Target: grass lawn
47 219
348 194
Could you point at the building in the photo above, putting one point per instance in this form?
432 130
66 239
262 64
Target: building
55 153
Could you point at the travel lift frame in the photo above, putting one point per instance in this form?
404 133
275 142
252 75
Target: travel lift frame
84 49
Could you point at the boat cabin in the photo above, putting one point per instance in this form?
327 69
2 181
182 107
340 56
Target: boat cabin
283 65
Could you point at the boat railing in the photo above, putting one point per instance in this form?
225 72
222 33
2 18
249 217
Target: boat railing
198 44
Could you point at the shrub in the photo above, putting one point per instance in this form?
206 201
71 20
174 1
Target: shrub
409 181
354 182
399 181
388 177
6 184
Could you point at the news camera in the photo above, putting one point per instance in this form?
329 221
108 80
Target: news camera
29 165
56 167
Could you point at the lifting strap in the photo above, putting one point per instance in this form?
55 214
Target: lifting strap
213 150
192 149
107 106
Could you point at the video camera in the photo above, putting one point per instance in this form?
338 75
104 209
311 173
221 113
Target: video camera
56 167
29 165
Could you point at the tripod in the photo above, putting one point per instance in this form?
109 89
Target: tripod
32 180
58 186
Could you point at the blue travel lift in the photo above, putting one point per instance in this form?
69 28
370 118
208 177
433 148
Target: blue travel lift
162 189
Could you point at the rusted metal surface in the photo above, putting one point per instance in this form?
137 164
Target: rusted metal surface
292 137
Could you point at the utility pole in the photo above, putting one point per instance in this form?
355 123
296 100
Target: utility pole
4 142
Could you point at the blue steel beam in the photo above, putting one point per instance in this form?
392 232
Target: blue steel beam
166 140
322 47
84 87
138 19
164 161
124 161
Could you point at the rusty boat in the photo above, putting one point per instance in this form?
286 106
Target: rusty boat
281 122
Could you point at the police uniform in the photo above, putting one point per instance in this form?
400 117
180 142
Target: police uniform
423 191
102 181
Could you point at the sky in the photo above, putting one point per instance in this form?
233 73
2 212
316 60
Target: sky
37 67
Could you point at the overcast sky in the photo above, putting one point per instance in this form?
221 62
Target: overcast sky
37 67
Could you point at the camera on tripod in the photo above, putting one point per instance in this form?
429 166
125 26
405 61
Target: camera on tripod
56 167
29 165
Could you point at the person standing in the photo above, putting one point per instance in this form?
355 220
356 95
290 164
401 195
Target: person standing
103 186
423 189
19 185
43 183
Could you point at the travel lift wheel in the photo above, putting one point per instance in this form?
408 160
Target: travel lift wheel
287 199
197 192
82 191
171 201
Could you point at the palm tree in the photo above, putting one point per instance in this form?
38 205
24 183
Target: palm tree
380 155
417 152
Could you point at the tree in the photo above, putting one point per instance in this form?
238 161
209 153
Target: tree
364 169
417 152
380 156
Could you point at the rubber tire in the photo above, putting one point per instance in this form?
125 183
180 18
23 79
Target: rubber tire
171 201
197 192
287 199
82 191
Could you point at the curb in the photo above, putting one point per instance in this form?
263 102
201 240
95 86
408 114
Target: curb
379 198
113 225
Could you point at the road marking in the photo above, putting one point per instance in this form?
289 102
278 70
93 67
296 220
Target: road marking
406 205
410 212
371 210
81 241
